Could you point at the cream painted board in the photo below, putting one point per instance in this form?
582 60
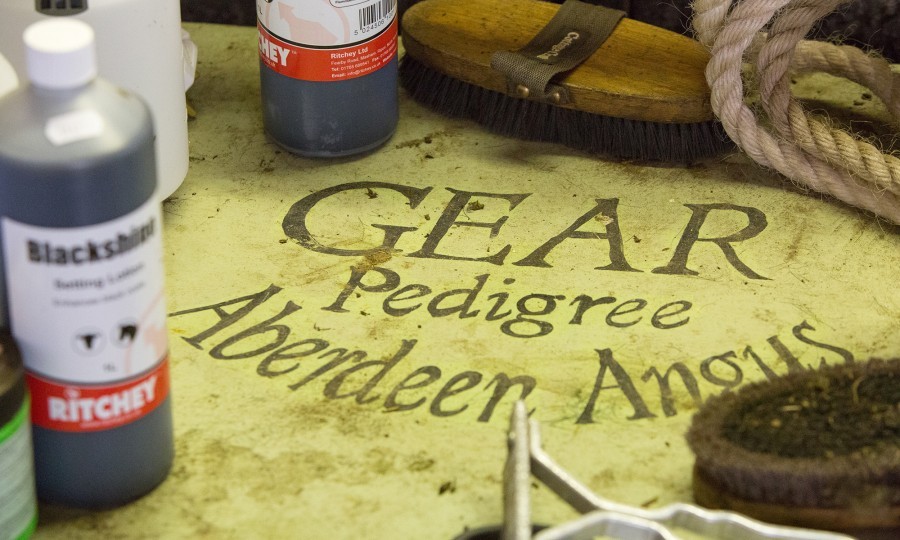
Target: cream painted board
307 407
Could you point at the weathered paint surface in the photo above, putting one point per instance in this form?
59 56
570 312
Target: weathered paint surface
348 336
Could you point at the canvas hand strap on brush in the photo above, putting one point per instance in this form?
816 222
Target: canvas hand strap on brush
806 149
572 35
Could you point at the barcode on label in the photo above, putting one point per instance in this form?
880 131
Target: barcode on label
376 12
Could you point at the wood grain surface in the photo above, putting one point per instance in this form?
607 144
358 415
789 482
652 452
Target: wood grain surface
641 72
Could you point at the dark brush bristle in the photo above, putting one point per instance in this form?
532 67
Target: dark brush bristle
786 460
535 121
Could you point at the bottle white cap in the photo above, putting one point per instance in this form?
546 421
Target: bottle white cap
60 53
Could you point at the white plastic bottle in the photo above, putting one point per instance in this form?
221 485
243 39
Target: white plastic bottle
82 273
139 48
8 78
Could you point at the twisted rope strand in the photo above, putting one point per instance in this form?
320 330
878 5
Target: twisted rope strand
733 32
814 136
774 59
854 64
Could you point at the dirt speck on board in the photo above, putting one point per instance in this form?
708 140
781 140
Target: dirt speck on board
415 143
603 218
375 258
447 487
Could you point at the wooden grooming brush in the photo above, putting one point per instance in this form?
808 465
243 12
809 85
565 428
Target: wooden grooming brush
819 448
641 95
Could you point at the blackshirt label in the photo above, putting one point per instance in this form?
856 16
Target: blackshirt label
87 311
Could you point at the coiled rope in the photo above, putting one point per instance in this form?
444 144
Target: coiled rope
806 149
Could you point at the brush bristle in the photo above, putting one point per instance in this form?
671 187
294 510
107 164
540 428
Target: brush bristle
858 465
535 121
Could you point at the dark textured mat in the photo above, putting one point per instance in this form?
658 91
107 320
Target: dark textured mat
870 23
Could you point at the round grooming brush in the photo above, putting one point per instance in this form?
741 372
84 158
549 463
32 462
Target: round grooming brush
819 449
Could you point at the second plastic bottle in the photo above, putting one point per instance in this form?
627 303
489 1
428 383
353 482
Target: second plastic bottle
328 74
